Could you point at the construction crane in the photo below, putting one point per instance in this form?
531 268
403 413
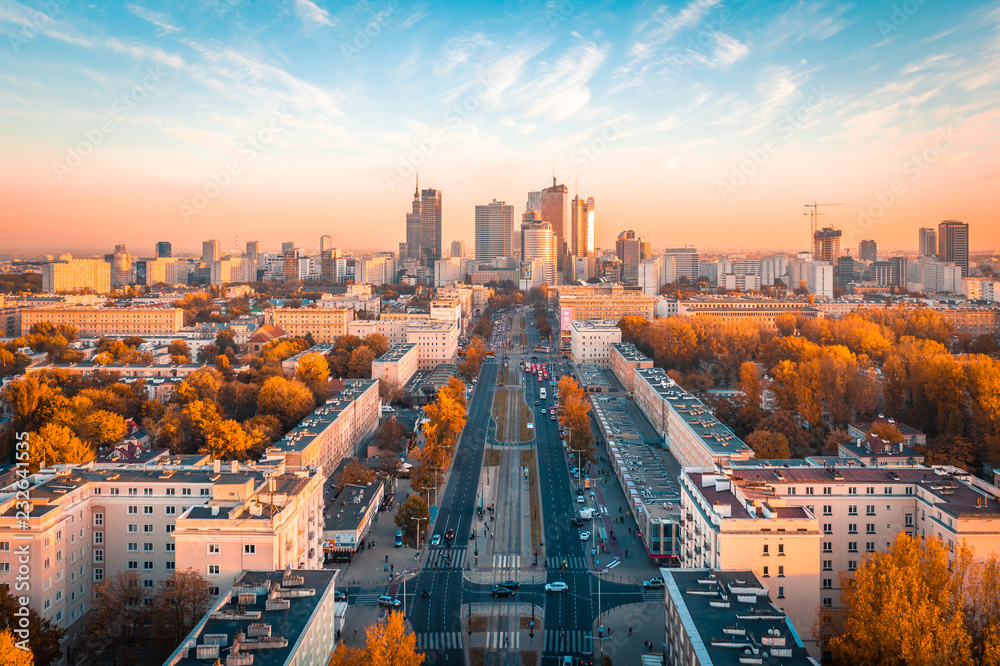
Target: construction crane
813 214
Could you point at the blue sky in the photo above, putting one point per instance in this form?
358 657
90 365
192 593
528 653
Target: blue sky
694 122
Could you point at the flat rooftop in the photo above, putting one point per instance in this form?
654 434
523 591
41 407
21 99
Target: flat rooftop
348 510
630 353
595 326
396 353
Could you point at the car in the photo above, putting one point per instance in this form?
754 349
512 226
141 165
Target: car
537 403
510 584
567 661
562 435
501 591
553 417
584 535
557 586
339 595
592 493
653 584
575 522
389 602
579 499
436 540
450 535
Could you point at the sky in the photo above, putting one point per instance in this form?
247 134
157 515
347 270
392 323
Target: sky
706 123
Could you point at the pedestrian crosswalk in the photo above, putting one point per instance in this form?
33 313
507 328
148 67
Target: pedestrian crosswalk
506 561
366 598
567 641
503 639
553 562
653 595
446 558
440 640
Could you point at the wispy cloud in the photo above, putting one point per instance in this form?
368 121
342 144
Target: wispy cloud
668 25
159 19
726 51
311 13
562 89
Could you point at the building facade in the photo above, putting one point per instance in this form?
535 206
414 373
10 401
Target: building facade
591 342
107 321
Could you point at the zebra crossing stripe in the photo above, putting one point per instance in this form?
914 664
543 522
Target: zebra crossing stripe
566 641
441 640
503 639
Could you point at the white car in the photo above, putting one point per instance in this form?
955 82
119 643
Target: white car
584 536
579 499
558 586
436 540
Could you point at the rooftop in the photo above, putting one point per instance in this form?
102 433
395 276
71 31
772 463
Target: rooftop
347 512
630 353
395 353
595 326
268 610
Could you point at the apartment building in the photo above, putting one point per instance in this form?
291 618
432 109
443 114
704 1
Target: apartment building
291 364
436 340
397 366
689 428
233 269
325 324
973 321
332 431
88 522
742 309
288 615
10 320
107 321
706 620
603 302
625 360
76 274
590 342
148 372
807 524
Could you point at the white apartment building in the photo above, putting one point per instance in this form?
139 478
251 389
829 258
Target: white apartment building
819 278
931 276
448 271
740 281
436 340
590 342
798 528
397 366
233 269
94 274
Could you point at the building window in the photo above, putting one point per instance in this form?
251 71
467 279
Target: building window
133 528
870 510
827 528
781 592
791 490
852 565
213 590
766 549
852 528
169 528
827 490
98 519
781 549
133 564
827 565
132 509
909 490
888 490
132 547
171 491
98 555
852 491
908 521
870 490
827 583
827 510
147 528
827 602
147 582
852 546
147 510
870 546
781 571
169 547
870 528
766 572
185 491
205 492
147 547
249 549
852 509
213 549
827 546
4 567
809 490
147 565
170 510
98 538
213 569
147 491
133 491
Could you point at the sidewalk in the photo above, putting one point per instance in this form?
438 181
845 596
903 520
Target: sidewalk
646 621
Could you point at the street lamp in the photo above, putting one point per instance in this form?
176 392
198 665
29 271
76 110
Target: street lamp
418 519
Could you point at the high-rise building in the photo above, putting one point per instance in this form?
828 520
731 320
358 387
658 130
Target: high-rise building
253 249
577 243
423 227
121 266
162 249
928 242
210 250
534 201
555 211
843 272
287 247
826 245
493 230
538 247
685 262
631 249
60 276
458 249
588 242
868 250
325 242
953 244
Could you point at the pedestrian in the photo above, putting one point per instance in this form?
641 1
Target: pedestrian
355 633
387 558
626 552
630 632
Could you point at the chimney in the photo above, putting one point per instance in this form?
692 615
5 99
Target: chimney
271 484
216 466
234 466
215 510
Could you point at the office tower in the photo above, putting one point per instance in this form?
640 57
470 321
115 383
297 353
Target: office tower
538 247
898 265
928 246
685 262
534 201
953 244
590 228
210 250
253 249
287 247
325 243
843 272
423 227
868 250
555 211
631 250
458 249
493 230
826 245
580 244
163 249
121 266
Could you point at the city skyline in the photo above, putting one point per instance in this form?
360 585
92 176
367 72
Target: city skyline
132 125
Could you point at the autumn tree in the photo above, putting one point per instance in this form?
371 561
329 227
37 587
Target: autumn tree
180 352
289 400
750 395
387 643
101 427
785 323
446 416
916 585
355 473
574 414
10 654
314 372
179 603
890 432
390 436
414 507
116 620
44 638
433 461
475 354
768 445
56 444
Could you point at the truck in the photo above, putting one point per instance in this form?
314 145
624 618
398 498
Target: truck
588 513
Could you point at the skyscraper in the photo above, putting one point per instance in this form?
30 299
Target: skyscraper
928 242
591 229
826 245
423 227
457 249
288 247
253 249
121 266
493 230
163 249
868 250
325 243
534 201
579 222
538 247
555 211
685 262
953 244
210 250
631 250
